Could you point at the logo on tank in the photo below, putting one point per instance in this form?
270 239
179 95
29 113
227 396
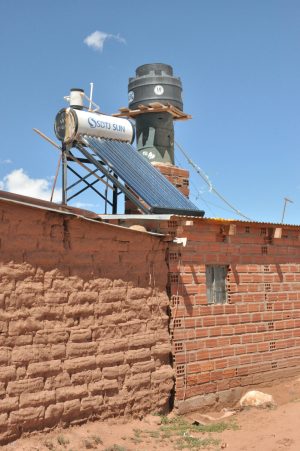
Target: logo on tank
158 90
106 125
150 155
130 96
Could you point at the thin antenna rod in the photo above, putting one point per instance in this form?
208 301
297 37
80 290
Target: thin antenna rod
58 163
208 182
47 138
286 200
55 178
91 95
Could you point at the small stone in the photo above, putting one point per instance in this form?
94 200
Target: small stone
138 228
256 398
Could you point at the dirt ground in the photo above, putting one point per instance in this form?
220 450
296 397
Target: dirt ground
270 429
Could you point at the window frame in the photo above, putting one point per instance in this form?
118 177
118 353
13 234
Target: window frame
216 284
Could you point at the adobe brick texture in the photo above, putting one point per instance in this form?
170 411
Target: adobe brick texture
83 321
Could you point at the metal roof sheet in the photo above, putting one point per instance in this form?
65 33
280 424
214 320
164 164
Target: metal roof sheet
167 217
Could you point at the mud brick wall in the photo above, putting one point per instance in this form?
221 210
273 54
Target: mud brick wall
83 321
220 350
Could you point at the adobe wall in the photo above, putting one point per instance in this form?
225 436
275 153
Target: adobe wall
220 350
83 321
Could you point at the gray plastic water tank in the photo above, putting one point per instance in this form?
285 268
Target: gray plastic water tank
154 83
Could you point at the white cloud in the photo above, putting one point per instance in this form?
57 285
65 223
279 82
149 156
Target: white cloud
19 182
97 39
6 161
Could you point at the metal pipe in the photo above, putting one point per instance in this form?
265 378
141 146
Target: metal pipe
64 175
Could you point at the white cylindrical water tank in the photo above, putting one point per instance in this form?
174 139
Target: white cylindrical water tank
76 98
70 124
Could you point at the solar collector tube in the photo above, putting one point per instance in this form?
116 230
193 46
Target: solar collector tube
132 173
145 180
157 189
164 191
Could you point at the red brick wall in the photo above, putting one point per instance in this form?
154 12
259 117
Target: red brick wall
83 321
255 337
177 176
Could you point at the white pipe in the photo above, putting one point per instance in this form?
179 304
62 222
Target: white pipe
91 95
76 98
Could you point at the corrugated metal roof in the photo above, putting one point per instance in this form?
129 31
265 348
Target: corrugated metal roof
86 214
150 217
168 217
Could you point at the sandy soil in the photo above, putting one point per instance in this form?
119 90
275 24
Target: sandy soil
275 429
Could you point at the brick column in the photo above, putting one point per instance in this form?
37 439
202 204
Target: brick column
177 176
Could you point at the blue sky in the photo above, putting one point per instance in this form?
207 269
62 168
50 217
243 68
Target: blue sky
239 65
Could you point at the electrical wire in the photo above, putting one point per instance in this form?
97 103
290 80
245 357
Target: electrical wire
196 193
208 182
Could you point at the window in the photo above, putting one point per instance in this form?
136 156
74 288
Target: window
216 284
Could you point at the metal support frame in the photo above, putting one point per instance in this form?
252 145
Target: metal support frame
88 185
64 174
116 182
115 197
107 176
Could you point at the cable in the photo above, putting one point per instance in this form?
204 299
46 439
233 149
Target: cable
208 182
197 193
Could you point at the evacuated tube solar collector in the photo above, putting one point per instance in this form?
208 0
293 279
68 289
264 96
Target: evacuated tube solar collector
155 131
104 142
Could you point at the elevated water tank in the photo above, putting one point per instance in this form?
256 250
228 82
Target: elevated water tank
155 83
